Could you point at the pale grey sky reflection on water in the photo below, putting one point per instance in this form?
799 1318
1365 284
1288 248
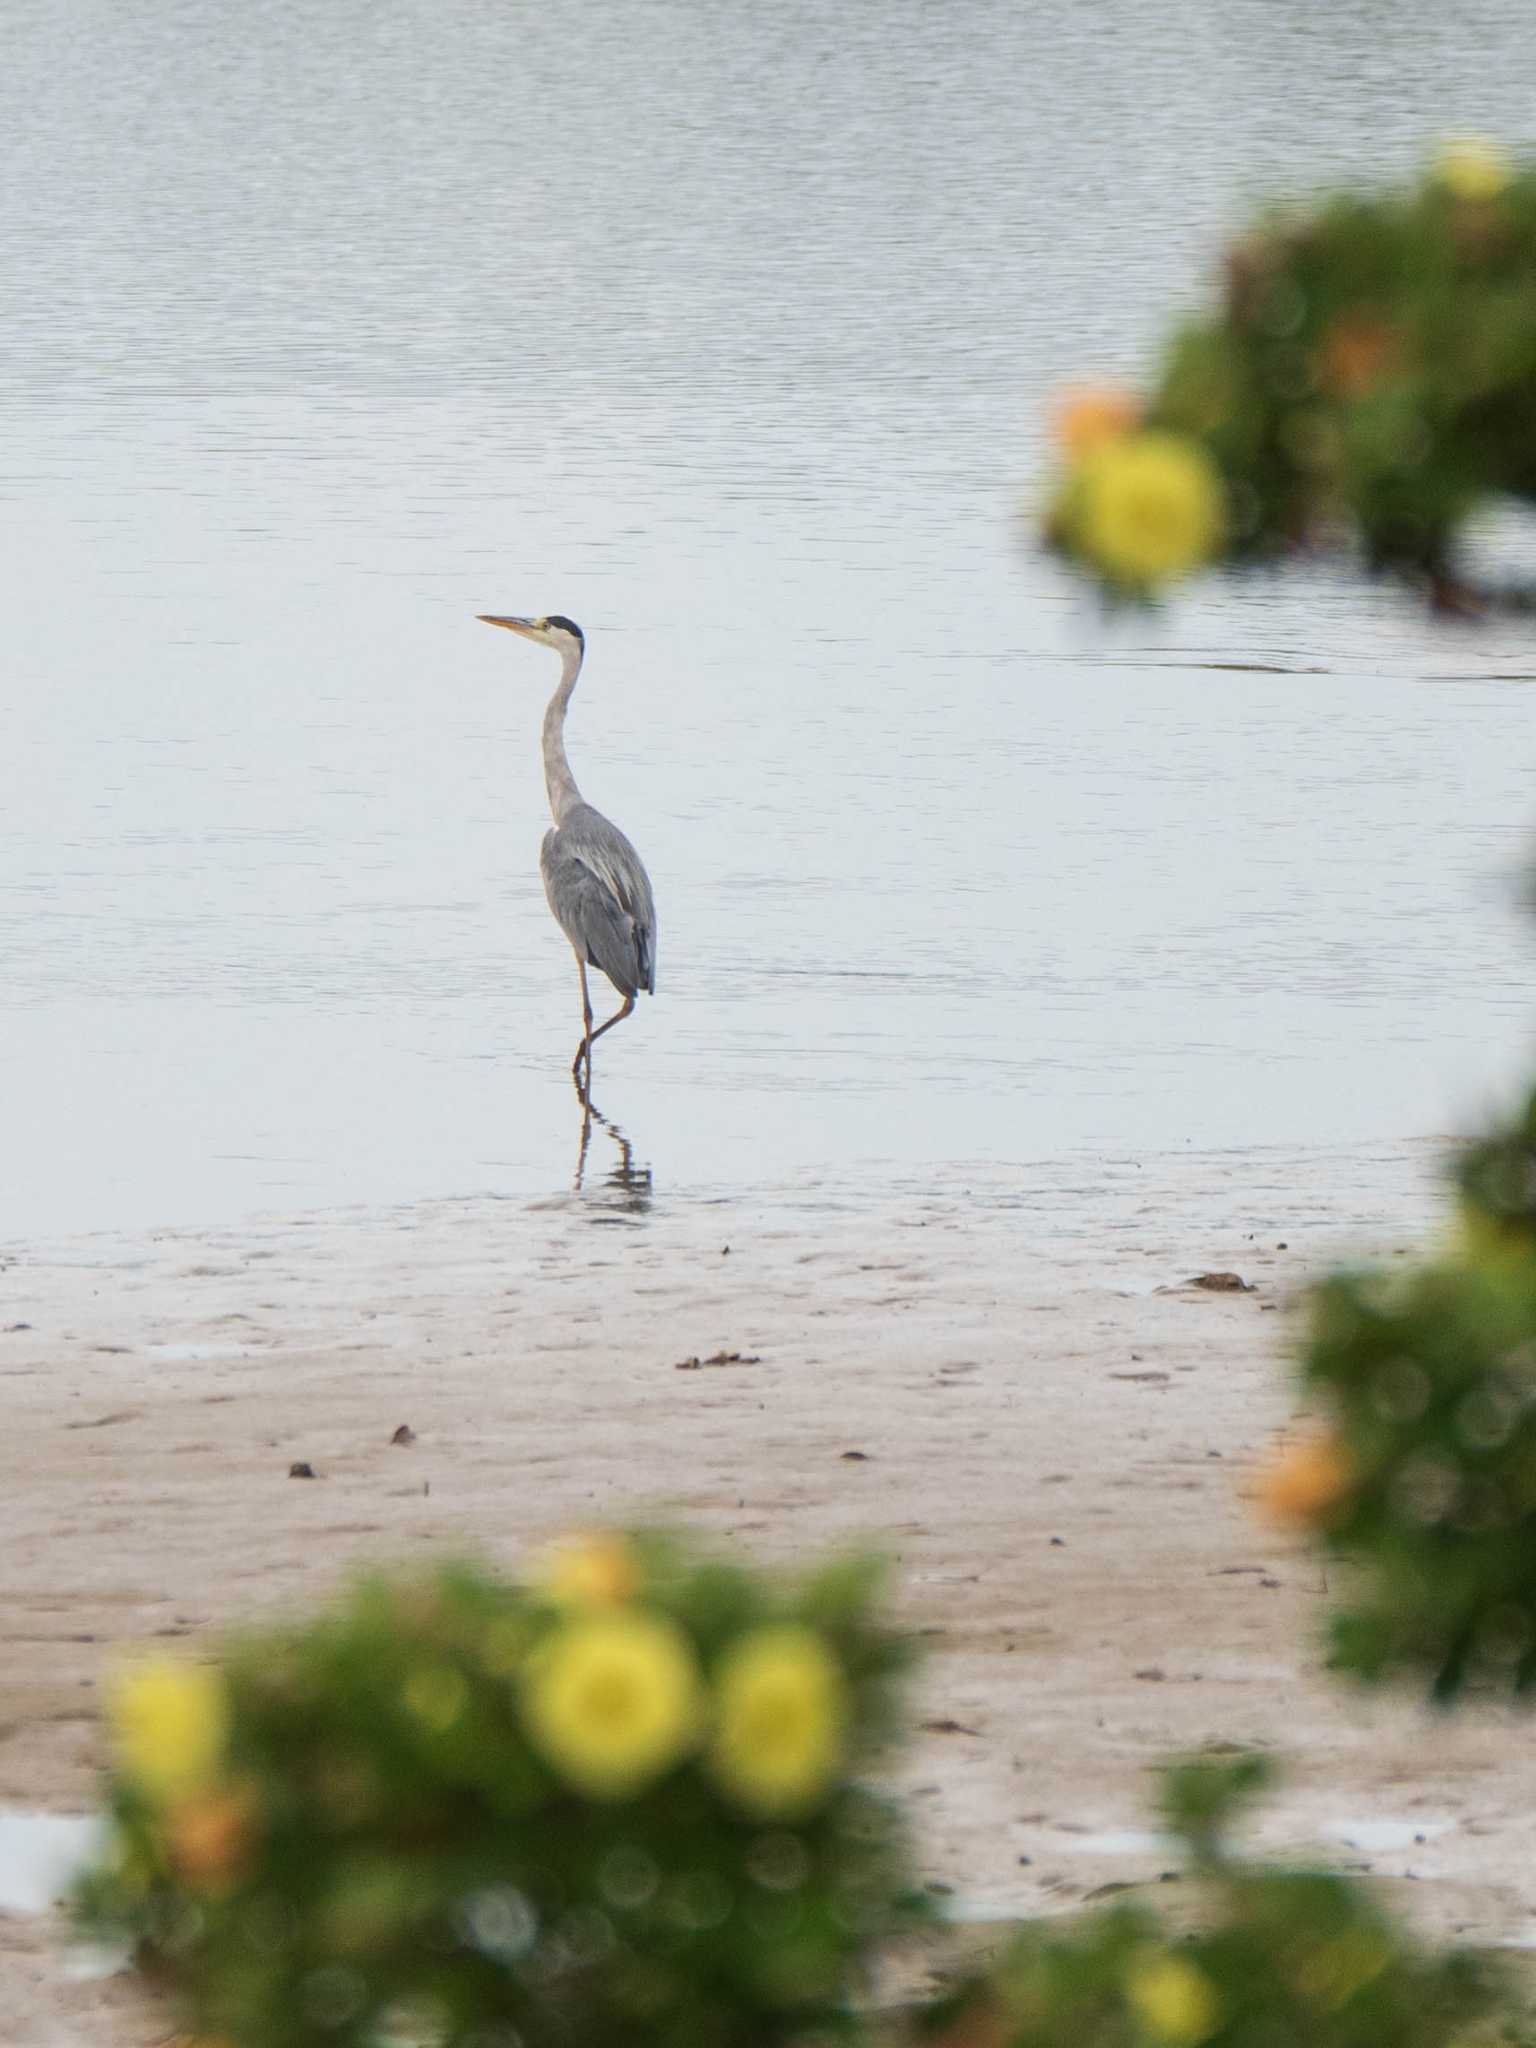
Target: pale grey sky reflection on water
733 335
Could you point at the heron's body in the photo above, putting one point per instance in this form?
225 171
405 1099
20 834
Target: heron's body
595 881
601 897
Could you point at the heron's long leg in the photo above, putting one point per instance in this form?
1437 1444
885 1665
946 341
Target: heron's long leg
617 1018
584 1050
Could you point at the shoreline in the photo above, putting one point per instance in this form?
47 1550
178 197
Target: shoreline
1054 1427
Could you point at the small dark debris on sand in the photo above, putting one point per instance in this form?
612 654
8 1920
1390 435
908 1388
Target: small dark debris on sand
697 1364
404 1434
1221 1283
301 1469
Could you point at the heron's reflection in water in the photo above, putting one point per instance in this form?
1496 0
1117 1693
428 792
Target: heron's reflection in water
625 1186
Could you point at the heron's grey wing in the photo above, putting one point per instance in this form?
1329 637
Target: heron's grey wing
589 911
642 908
587 835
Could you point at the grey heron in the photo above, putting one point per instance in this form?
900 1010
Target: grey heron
595 881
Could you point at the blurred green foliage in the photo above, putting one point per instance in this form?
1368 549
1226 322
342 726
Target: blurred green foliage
362 1831
1430 1378
1283 1959
1497 1184
1367 379
1427 1378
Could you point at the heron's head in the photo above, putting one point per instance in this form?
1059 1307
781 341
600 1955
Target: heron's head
557 631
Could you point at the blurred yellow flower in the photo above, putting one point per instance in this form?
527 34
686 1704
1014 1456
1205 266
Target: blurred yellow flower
1307 1481
613 1701
169 1724
1085 418
1173 2000
594 1571
782 1707
1146 507
1471 167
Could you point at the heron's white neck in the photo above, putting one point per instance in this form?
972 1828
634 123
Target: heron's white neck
558 779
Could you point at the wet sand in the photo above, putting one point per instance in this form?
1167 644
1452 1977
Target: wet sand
1053 1431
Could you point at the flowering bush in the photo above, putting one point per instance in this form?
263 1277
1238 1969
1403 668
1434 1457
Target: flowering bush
615 1806
1284 1959
1369 377
1424 1473
1427 1477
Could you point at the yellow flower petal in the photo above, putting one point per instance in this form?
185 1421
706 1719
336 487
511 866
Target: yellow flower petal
1146 508
614 1700
598 1570
782 1716
1472 168
170 1725
1173 2000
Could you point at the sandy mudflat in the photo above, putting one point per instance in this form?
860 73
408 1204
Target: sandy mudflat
1054 1434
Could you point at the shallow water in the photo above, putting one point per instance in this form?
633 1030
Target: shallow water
41 1854
732 335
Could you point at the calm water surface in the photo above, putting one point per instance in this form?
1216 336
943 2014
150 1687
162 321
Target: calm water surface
730 332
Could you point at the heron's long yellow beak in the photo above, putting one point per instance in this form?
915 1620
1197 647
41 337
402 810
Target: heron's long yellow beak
523 626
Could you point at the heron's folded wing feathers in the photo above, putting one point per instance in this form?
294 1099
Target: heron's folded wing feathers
593 916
